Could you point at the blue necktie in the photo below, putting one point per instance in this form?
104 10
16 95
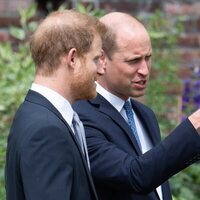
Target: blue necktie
131 122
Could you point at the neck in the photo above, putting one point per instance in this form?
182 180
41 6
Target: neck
53 83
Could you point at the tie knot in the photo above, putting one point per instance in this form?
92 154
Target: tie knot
75 118
127 106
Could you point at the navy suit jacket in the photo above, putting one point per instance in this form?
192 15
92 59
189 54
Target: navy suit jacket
44 160
119 169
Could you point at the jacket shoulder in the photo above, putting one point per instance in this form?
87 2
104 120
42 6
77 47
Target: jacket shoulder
142 106
83 106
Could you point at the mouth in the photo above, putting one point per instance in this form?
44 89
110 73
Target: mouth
140 84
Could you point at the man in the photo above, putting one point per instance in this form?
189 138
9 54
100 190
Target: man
47 155
128 161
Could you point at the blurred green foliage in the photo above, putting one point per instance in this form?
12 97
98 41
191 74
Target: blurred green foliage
17 72
164 84
90 10
164 87
185 185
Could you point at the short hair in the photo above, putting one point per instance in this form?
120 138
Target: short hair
116 22
109 43
58 33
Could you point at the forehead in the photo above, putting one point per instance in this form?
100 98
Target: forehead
96 43
137 42
95 49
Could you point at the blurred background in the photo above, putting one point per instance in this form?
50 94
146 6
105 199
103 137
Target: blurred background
174 88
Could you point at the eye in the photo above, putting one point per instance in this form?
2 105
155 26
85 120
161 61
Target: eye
133 61
148 57
96 60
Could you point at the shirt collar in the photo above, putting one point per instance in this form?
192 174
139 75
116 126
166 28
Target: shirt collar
117 102
59 102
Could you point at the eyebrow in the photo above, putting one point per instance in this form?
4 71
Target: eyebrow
132 59
137 57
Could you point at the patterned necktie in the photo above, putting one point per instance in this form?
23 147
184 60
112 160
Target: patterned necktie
80 135
131 122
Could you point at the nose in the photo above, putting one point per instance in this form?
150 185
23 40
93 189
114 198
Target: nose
144 68
100 69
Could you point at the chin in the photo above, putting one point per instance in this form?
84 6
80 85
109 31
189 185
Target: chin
138 94
92 95
88 95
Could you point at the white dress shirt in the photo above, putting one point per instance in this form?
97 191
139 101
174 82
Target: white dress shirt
59 102
118 103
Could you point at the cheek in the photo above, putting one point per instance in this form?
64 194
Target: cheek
115 69
89 74
91 67
149 64
116 76
125 72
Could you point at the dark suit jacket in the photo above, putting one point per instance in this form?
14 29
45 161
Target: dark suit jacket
44 161
119 169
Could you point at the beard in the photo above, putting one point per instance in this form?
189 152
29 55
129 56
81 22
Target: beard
84 87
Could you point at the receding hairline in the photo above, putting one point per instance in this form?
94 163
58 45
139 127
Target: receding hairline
121 27
57 20
58 33
118 21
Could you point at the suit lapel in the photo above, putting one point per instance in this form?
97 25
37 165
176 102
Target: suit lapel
37 98
154 136
106 108
147 122
143 115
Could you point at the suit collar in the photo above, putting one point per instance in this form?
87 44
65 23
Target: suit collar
114 100
108 109
37 98
143 115
57 100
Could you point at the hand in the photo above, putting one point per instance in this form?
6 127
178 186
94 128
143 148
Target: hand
195 120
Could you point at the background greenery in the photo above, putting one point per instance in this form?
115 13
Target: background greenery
17 72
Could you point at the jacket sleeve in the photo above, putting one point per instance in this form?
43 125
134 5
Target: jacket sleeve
113 167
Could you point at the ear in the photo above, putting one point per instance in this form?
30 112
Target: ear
103 60
72 57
